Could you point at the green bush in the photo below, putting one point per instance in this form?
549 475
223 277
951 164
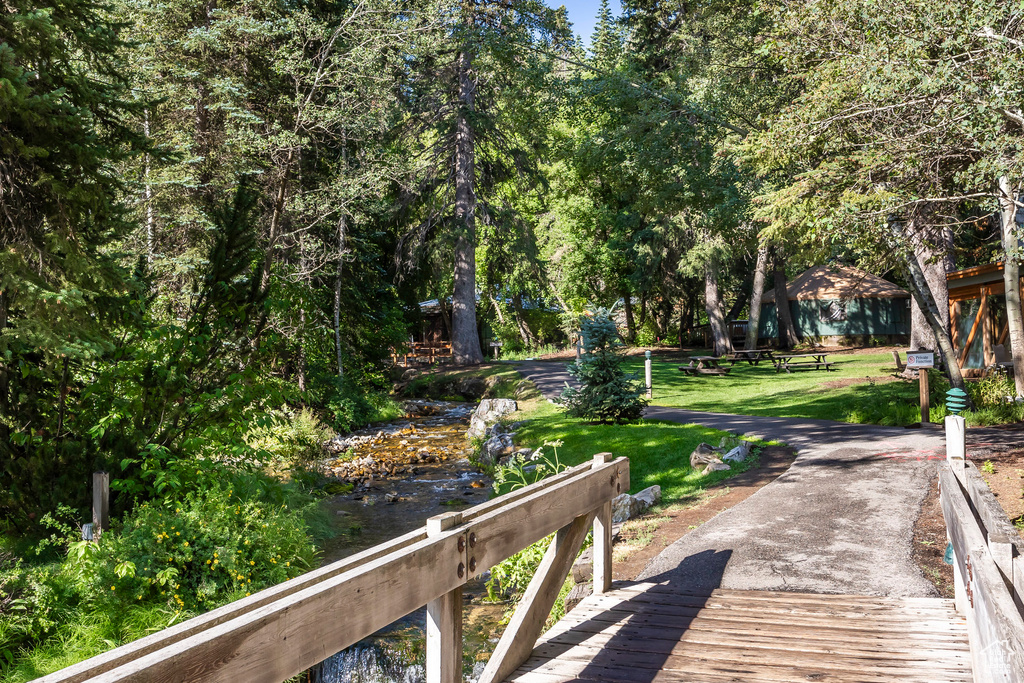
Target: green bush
163 561
295 439
206 549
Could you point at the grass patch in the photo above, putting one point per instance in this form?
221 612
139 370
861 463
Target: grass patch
847 394
863 389
483 381
658 452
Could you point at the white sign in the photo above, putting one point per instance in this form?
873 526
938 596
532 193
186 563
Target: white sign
920 359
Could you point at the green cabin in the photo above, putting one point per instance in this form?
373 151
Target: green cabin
841 304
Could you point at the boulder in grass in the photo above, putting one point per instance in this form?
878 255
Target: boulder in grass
704 454
738 454
625 506
716 466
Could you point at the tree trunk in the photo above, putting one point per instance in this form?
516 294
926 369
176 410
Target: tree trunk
524 329
920 290
1011 279
933 248
627 305
713 306
465 338
754 319
338 281
150 220
276 218
337 295
4 380
784 318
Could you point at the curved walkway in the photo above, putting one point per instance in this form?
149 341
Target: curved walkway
840 520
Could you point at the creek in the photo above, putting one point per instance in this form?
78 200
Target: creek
400 473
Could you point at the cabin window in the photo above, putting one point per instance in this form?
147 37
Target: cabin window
833 311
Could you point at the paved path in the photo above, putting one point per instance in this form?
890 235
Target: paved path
840 520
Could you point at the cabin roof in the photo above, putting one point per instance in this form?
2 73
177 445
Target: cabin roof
838 282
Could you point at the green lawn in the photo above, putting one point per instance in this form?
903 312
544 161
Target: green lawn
658 452
759 390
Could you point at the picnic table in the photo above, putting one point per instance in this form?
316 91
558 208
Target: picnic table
704 365
752 356
803 361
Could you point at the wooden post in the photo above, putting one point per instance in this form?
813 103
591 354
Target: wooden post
899 363
444 619
647 374
956 444
603 539
922 376
100 503
527 622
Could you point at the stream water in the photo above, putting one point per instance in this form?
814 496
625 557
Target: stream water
401 473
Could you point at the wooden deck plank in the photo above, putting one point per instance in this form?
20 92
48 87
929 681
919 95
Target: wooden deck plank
900 649
650 632
779 606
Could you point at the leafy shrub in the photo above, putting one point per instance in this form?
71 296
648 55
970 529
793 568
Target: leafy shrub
164 559
203 550
511 576
294 439
607 393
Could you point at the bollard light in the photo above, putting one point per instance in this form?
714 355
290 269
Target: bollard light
956 401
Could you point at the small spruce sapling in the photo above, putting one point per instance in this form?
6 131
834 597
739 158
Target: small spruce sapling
607 393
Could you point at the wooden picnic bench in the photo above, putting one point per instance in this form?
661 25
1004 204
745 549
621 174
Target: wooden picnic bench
803 361
704 365
752 356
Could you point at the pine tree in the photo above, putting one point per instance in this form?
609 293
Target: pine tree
607 393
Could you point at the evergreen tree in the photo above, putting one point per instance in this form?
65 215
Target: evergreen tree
65 123
607 393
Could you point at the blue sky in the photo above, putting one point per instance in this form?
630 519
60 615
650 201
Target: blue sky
583 14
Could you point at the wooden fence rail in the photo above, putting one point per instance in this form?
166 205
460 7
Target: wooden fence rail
988 565
279 632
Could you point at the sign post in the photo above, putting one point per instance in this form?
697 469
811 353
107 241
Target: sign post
647 374
921 361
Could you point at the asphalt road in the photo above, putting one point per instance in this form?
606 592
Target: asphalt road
840 520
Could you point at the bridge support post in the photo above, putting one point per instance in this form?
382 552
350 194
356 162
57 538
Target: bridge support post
603 539
444 619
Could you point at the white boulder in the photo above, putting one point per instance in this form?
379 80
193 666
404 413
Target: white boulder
487 413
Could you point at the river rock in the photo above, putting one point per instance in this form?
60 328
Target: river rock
583 567
471 388
738 454
577 595
487 413
495 448
716 466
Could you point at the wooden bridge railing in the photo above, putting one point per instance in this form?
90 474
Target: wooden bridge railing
988 565
279 632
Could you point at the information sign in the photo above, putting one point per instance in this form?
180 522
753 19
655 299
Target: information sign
920 359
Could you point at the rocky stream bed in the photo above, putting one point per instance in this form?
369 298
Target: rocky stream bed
388 479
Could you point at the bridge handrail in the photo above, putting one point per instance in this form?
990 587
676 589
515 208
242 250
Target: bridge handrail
283 630
988 565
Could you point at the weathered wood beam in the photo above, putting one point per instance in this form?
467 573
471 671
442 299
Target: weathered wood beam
444 618
995 628
281 631
527 623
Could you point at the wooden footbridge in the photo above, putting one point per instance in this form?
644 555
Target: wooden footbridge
636 633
